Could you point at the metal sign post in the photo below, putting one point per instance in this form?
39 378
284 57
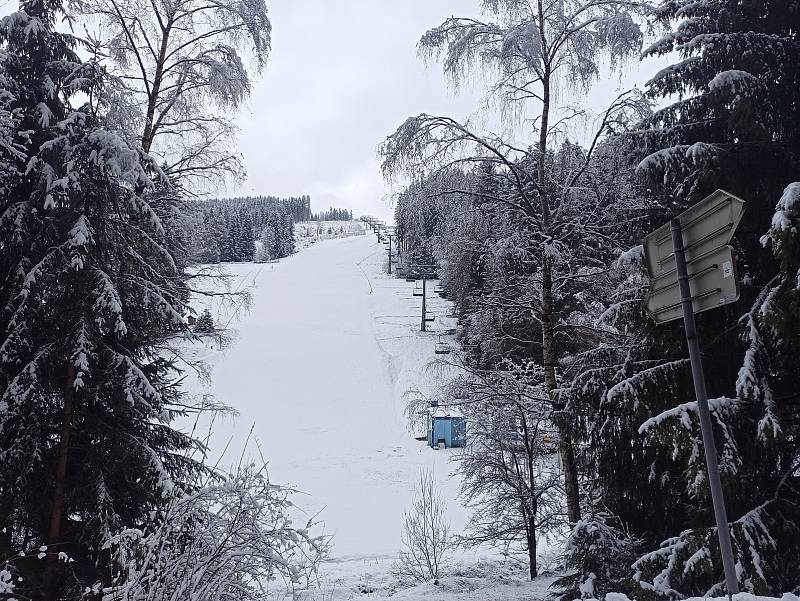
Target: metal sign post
695 273
712 464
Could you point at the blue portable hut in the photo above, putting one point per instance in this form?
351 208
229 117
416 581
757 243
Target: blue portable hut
448 428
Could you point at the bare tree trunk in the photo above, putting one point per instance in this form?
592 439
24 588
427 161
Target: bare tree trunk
567 451
532 566
565 447
530 528
57 514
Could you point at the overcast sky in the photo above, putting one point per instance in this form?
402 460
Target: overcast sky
342 76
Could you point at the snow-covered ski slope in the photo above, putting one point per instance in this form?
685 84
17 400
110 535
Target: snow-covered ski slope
319 368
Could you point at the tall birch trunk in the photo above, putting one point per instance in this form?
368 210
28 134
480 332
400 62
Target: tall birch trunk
550 356
152 101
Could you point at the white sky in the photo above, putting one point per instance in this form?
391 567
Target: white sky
342 76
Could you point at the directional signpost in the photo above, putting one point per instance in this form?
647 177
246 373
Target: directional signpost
706 229
692 269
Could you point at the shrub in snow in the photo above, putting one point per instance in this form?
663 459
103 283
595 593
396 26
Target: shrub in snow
426 536
226 538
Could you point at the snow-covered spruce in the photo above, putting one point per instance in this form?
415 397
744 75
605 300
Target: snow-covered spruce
89 289
701 140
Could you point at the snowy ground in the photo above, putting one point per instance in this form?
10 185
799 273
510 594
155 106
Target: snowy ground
318 369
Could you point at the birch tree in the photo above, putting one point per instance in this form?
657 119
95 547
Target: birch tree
181 66
427 541
568 222
511 478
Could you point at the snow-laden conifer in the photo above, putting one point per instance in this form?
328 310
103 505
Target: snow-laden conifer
89 289
728 123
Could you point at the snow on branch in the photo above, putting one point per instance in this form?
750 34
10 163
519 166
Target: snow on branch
108 304
684 412
227 538
753 381
682 562
732 80
667 160
460 41
632 256
783 231
631 387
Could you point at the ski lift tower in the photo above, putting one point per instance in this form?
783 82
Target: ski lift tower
425 272
390 236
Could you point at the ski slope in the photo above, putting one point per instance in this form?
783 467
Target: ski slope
318 370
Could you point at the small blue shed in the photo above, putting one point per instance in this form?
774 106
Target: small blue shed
448 429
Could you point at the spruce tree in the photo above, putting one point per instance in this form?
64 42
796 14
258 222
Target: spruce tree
734 125
287 247
229 251
88 289
205 323
247 242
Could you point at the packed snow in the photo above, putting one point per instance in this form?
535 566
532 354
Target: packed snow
318 367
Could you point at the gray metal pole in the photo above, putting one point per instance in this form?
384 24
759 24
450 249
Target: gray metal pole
390 254
712 465
423 326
